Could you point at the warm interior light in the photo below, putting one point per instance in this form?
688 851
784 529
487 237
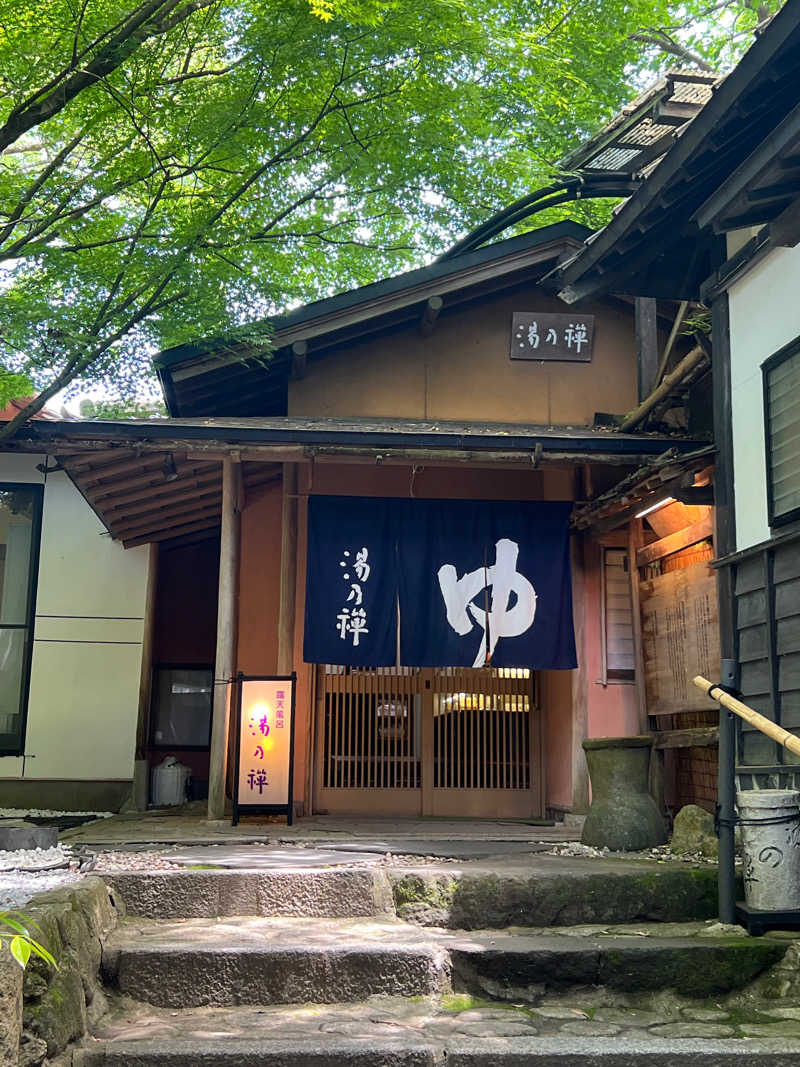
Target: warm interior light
655 507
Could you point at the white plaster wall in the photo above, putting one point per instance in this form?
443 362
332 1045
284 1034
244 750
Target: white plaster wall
764 316
87 651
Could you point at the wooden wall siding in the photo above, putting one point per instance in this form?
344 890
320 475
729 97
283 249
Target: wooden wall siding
403 373
767 587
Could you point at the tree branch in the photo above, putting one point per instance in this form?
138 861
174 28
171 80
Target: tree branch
140 27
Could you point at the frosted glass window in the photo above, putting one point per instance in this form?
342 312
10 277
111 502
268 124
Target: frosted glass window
782 406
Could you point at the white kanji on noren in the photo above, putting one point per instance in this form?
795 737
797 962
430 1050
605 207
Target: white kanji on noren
501 619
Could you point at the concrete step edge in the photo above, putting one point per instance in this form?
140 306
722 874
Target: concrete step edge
508 1052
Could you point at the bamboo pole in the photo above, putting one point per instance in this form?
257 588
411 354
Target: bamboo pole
760 722
687 364
226 628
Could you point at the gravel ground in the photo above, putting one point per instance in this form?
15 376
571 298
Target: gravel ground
17 887
33 859
48 813
660 854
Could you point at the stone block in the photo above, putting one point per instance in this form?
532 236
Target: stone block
16 834
694 832
59 1016
10 1007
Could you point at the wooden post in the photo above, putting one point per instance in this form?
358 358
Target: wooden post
635 541
286 617
226 631
646 344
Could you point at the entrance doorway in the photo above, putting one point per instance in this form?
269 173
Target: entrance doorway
450 742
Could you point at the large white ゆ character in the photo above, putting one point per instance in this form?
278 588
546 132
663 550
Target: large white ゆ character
503 578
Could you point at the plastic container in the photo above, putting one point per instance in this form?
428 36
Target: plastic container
770 822
168 783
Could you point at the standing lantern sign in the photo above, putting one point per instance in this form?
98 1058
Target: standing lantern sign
265 746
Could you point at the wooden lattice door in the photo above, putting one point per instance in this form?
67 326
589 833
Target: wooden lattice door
450 742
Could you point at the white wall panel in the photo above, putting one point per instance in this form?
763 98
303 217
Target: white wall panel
84 693
83 710
82 571
764 316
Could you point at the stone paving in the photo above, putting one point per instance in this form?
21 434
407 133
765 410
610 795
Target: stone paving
189 826
441 1021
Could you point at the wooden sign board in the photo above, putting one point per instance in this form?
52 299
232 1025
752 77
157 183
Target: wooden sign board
680 638
561 337
264 746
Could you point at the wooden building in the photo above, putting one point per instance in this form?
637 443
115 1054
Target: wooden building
412 388
718 221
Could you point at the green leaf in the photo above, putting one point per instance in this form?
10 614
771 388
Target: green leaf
20 950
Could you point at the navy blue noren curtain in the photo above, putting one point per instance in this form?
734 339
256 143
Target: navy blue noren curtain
477 582
486 581
351 582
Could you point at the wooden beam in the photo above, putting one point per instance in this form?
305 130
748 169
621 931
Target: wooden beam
442 457
152 460
635 534
427 324
112 504
288 578
226 633
299 355
646 344
78 460
685 538
696 737
167 535
135 511
178 517
156 478
251 453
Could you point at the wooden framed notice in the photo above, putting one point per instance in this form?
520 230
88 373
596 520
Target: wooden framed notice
680 638
537 336
264 775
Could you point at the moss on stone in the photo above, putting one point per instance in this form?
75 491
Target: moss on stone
59 1016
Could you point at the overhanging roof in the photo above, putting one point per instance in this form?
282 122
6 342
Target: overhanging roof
157 480
221 378
654 245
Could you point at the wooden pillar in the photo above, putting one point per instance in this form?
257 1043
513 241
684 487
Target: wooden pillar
646 345
579 679
287 610
226 641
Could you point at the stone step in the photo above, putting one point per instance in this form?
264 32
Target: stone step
545 891
176 894
446 1032
252 960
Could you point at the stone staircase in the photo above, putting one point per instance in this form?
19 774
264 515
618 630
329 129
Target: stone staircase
323 967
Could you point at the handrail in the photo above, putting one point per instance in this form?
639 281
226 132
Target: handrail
765 725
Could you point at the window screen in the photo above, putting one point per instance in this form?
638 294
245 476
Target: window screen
618 611
782 418
20 522
181 711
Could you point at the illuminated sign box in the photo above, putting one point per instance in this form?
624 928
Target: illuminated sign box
265 746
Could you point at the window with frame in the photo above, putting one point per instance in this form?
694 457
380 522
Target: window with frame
181 707
618 650
20 530
782 430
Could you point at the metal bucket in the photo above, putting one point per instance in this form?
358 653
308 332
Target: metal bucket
770 822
